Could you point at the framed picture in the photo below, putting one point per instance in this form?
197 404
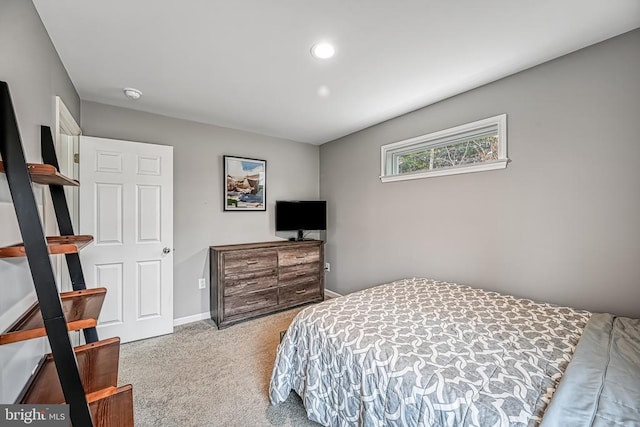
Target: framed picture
245 187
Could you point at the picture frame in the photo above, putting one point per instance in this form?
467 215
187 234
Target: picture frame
245 184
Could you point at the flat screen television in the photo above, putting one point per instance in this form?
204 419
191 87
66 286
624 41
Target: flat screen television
301 216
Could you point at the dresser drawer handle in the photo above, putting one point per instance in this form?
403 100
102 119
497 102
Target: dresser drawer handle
300 274
251 283
299 256
301 291
252 302
251 262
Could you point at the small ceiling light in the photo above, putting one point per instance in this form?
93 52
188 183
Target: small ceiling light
132 93
323 91
322 50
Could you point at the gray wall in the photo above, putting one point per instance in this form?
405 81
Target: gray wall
199 221
30 65
560 224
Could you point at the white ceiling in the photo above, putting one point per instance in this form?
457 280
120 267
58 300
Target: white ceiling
245 64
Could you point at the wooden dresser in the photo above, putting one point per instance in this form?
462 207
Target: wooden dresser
254 279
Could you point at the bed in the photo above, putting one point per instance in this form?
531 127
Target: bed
419 352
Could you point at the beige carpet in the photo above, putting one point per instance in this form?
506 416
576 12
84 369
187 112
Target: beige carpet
202 376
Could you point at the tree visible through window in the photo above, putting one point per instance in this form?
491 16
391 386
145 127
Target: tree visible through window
471 147
474 151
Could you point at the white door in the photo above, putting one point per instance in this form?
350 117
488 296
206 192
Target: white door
66 134
126 204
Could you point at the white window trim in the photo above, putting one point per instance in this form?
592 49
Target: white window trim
500 163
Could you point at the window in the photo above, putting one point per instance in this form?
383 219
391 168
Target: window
471 147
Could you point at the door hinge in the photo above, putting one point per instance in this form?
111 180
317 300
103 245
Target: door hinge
76 158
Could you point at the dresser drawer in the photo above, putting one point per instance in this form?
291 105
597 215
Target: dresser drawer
238 304
301 255
239 262
296 274
291 295
250 282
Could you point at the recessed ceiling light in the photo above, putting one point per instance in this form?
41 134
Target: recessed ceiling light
322 50
132 93
323 91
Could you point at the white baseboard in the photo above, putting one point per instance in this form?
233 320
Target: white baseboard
190 319
206 315
331 294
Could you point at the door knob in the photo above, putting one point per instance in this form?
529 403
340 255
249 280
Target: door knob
166 250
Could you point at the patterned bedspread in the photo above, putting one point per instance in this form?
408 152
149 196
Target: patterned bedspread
418 352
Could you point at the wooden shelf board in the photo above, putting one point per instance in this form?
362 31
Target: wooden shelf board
97 364
112 407
81 310
42 173
55 244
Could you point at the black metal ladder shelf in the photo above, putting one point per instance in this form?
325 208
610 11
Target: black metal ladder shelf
56 313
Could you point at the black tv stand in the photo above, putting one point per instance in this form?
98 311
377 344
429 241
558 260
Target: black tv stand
299 237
